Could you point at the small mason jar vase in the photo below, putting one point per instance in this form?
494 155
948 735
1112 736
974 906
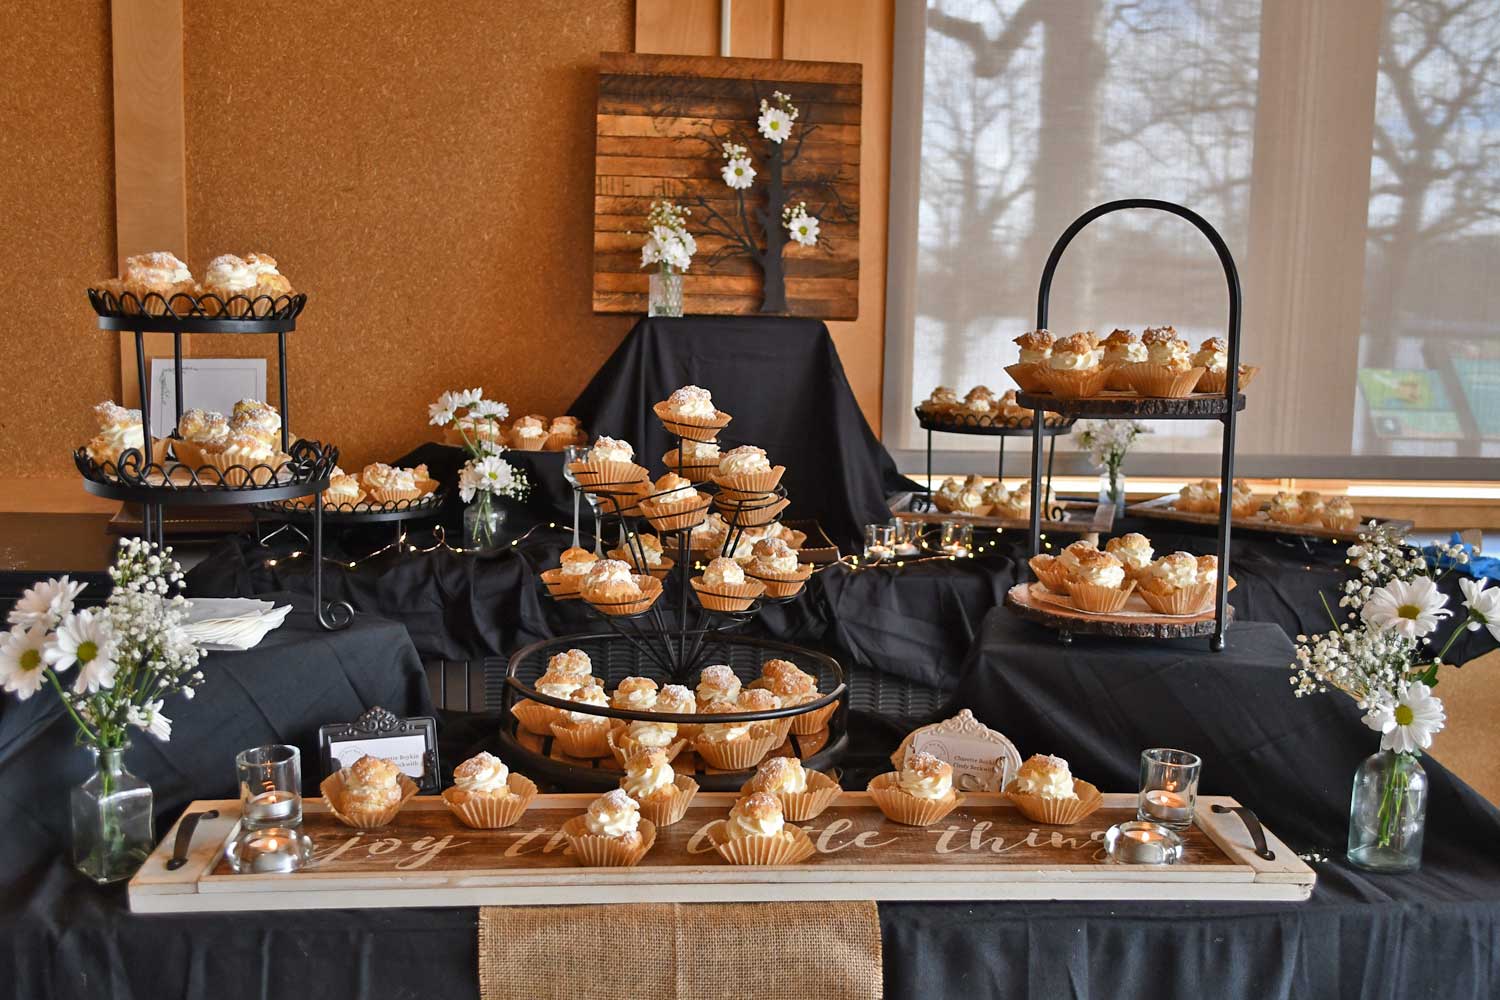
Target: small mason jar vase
111 819
1112 487
1388 814
666 291
483 520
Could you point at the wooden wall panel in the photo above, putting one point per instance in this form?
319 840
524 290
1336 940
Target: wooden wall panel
677 27
57 217
427 180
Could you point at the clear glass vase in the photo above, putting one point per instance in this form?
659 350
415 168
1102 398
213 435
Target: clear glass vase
1388 814
111 819
483 520
666 292
1112 487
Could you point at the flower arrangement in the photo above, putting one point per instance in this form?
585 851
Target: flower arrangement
668 243
126 658
1381 653
485 475
1107 443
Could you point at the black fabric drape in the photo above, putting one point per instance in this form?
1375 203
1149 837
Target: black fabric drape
782 381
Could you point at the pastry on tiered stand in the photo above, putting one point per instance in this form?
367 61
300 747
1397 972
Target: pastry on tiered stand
1045 791
794 686
723 586
608 464
1073 371
566 673
803 793
581 734
149 282
611 587
695 460
528 433
612 833
343 489
673 504
389 484
1134 552
942 402
756 833
250 449
1098 583
663 794
690 413
1168 371
1180 583
486 794
732 746
1036 354
777 567
919 794
656 564
232 284
1122 348
639 694
120 430
1213 358
1338 515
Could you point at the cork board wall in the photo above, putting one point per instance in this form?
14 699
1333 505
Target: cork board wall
426 179
57 231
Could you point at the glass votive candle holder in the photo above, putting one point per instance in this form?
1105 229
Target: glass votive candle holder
957 539
908 538
880 542
272 850
1137 842
1169 787
270 786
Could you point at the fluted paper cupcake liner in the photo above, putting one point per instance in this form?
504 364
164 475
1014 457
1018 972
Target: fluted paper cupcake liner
782 727
905 809
700 473
1213 381
1058 812
1053 577
1100 600
752 482
1349 524
622 747
559 440
783 584
534 717
520 442
1027 376
660 570
1075 384
392 494
559 584
1185 601
584 740
1118 379
727 597
664 810
608 473
677 515
692 428
361 819
750 515
1162 381
737 755
650 590
594 851
815 721
239 471
1245 508
791 847
487 812
799 807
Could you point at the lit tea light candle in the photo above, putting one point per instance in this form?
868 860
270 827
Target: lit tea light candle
1166 806
271 855
278 805
1140 843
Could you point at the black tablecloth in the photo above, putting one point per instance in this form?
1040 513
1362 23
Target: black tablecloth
782 381
1099 703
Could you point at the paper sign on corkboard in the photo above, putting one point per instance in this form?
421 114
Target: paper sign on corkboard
661 124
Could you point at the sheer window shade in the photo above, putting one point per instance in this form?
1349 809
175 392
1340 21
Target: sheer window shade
1296 129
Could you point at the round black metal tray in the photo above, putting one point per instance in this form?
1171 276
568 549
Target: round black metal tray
366 512
196 313
968 423
134 480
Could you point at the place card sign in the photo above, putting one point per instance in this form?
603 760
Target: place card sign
982 759
410 744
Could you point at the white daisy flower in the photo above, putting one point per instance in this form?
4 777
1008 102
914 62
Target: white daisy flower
88 640
441 413
23 660
490 409
803 229
775 124
738 173
1408 723
1483 605
148 717
1412 608
467 397
46 603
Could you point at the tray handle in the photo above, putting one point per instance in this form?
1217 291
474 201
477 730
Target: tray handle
1252 824
185 831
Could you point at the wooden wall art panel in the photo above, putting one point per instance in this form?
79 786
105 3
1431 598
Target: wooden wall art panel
661 123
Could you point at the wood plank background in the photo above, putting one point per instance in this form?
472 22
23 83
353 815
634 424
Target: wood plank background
660 122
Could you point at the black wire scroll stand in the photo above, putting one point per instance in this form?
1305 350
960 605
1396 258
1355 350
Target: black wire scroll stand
160 482
1223 408
299 510
987 425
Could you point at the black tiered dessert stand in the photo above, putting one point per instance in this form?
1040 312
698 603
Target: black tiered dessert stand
137 478
1222 408
990 426
301 510
669 644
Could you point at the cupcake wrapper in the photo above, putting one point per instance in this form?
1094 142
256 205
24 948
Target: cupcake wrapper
787 585
815 721
1067 384
692 428
1163 381
1187 601
782 727
535 442
559 585
1213 381
1053 578
1245 508
676 515
558 440
584 740
695 473
737 755
627 555
1027 376
752 515
1059 812
234 472
794 847
666 811
1341 524
727 597
906 809
1101 600
361 819
189 453
622 747
608 473
650 591
1118 379
752 482
484 812
393 494
534 717
606 852
799 807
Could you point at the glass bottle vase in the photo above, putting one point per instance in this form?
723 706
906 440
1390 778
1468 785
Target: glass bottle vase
483 520
1388 814
112 833
1112 488
666 292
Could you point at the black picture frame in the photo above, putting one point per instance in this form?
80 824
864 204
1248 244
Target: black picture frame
381 724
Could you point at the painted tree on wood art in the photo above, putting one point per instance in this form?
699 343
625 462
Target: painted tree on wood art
761 231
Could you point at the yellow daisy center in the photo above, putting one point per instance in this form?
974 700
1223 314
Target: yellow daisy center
1404 715
1410 611
87 650
31 659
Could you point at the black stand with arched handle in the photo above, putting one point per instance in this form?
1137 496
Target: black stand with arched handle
1197 408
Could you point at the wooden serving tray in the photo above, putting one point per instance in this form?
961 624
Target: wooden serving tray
1137 621
1162 508
1080 517
984 849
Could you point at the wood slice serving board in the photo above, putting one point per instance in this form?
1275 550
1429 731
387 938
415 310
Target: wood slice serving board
984 849
1162 508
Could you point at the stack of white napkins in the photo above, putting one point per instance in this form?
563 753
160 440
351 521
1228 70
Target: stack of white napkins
229 623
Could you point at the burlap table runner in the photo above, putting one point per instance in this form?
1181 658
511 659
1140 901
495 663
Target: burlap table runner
695 951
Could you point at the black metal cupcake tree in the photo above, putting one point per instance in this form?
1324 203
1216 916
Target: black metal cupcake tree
1222 408
137 478
672 643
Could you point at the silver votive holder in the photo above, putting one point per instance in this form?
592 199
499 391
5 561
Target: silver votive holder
270 780
957 539
1138 842
272 850
908 538
880 542
1169 787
